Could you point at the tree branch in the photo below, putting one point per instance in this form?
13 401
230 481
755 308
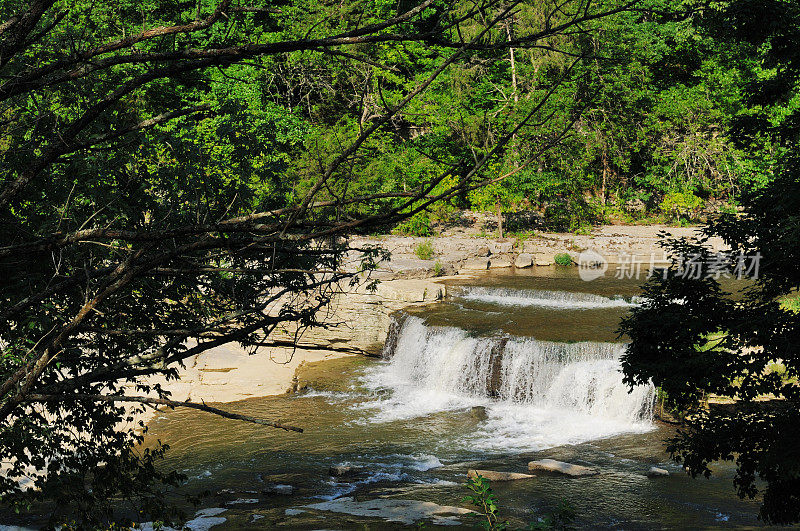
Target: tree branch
163 402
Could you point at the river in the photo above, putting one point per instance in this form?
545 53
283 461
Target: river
538 350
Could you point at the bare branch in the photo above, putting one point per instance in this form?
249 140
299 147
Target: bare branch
163 402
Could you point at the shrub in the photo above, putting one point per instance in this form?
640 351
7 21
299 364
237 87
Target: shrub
563 259
417 225
482 497
438 269
681 205
791 303
424 250
520 238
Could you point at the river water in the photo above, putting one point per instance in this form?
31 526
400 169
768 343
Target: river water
538 350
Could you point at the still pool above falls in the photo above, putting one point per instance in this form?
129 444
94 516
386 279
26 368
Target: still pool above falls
548 377
565 300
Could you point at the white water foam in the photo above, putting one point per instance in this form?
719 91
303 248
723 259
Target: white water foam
537 394
544 298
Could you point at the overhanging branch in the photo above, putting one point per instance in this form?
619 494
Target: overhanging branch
162 402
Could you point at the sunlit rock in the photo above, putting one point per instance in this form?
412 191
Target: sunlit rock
559 467
493 475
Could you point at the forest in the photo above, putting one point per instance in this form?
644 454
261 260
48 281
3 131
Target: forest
181 175
640 120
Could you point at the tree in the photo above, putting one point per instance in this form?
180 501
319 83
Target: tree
177 176
696 335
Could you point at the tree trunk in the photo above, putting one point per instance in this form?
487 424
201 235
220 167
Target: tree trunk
605 177
499 219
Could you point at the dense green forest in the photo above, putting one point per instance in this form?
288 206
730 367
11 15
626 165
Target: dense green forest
643 127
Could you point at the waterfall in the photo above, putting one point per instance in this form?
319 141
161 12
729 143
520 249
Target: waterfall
545 298
582 378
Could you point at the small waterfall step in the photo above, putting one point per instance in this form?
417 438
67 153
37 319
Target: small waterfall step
544 298
580 377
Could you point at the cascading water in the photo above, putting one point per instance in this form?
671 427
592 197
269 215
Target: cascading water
544 298
537 393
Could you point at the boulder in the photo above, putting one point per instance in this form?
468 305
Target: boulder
543 260
477 264
342 471
523 260
499 263
493 475
569 469
500 247
479 412
656 472
284 490
482 251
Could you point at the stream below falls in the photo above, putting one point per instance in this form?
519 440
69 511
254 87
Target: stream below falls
539 351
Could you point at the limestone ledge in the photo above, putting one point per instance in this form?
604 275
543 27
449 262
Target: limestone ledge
358 320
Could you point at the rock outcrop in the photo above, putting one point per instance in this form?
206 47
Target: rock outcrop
359 319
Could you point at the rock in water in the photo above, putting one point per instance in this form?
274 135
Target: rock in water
278 489
551 465
656 472
341 471
523 260
493 475
479 412
405 511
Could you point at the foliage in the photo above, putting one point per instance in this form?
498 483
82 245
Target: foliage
753 331
438 269
563 259
791 303
681 204
424 250
417 225
484 499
